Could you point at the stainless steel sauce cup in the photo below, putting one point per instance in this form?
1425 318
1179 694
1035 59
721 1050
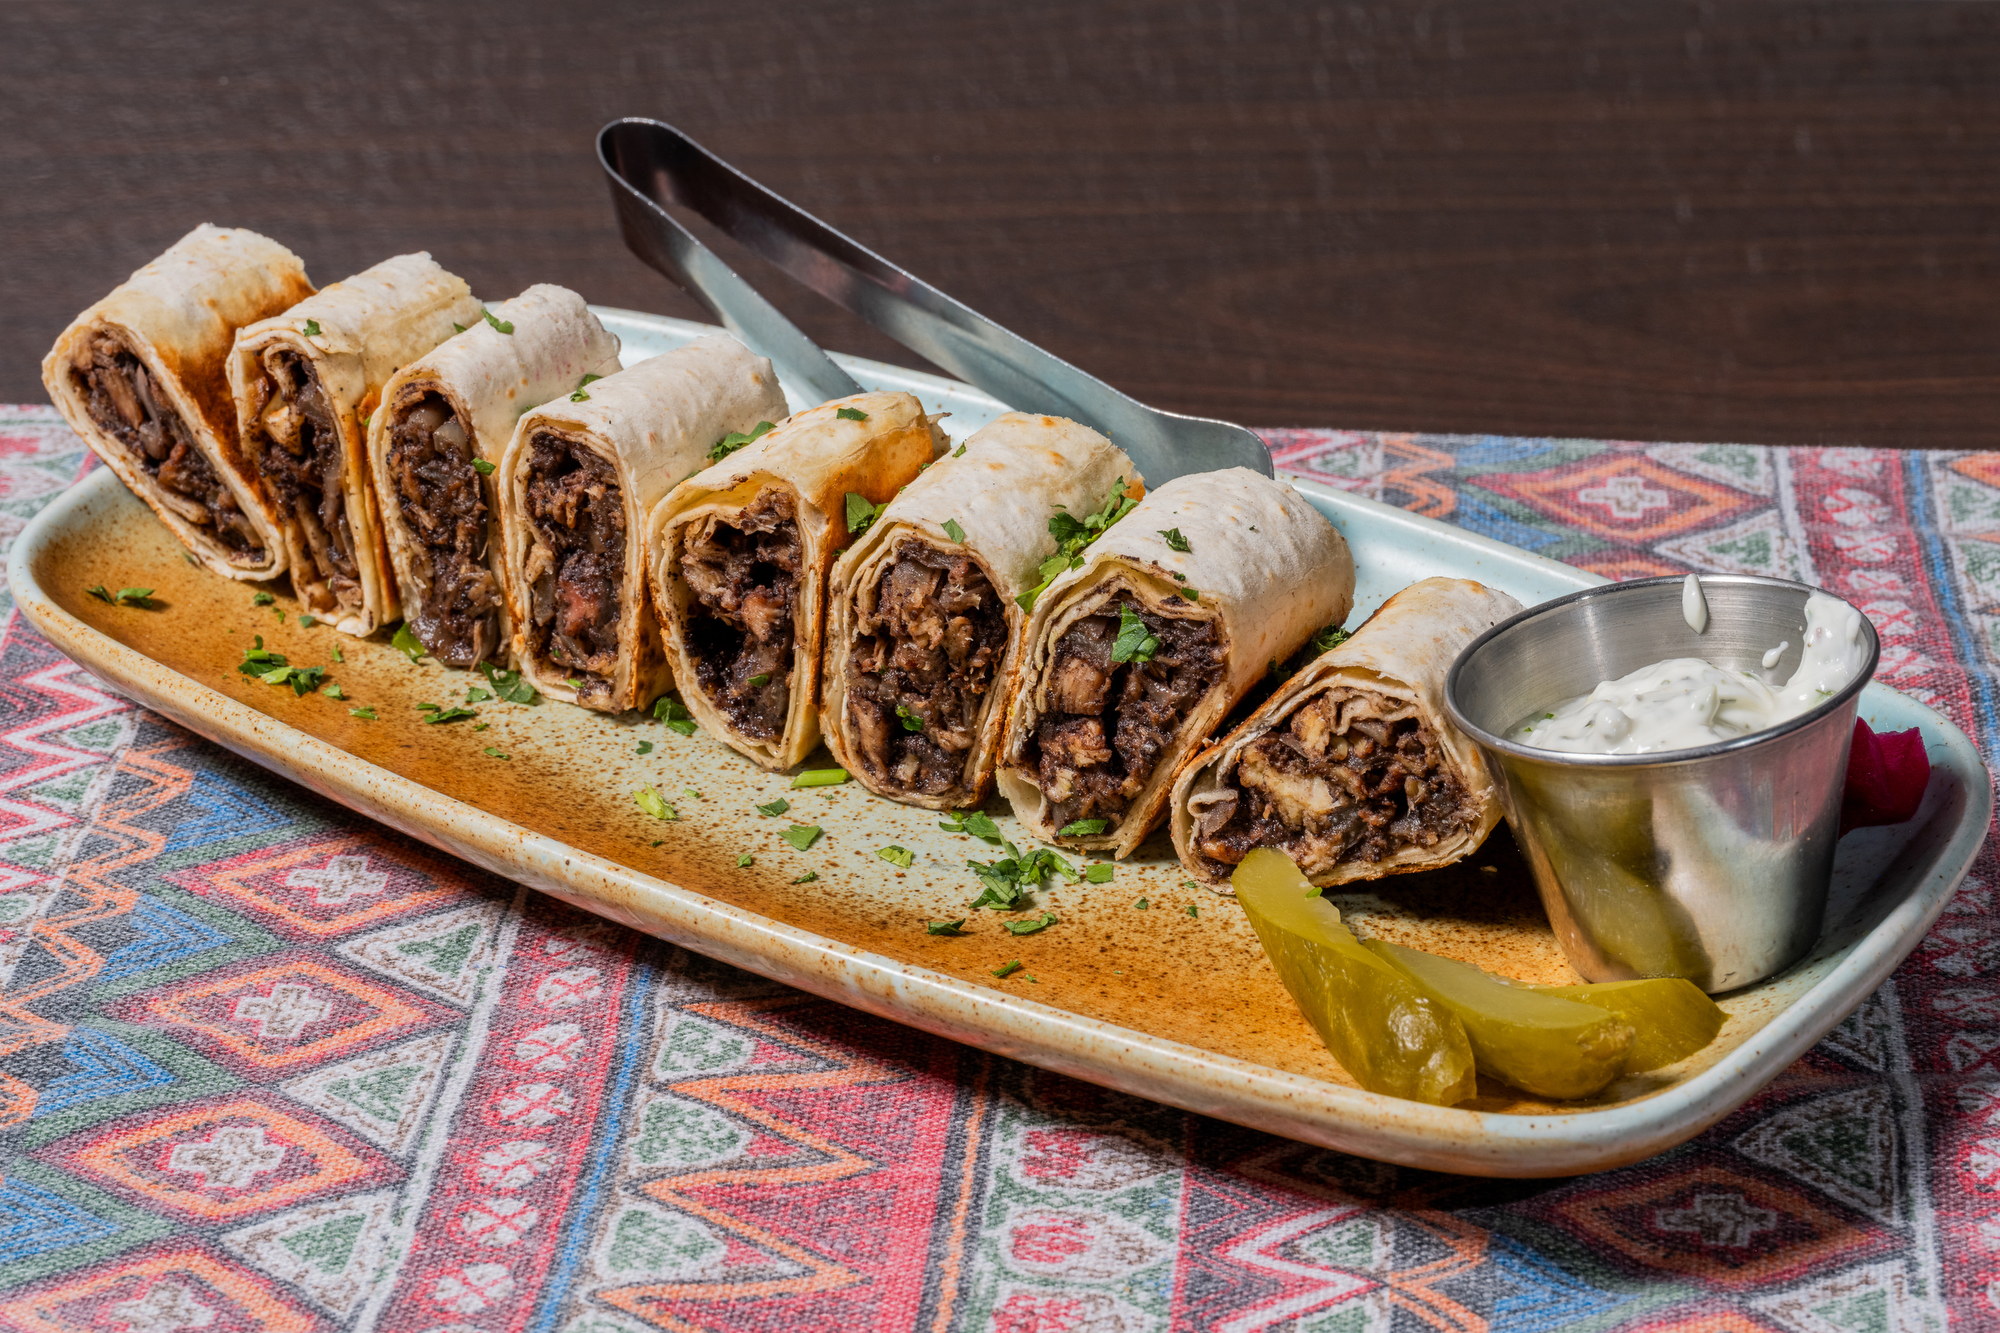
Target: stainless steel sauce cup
1709 863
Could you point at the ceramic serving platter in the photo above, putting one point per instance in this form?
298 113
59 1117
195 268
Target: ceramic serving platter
1173 1001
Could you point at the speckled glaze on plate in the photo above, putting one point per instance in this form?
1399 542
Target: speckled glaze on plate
1174 1002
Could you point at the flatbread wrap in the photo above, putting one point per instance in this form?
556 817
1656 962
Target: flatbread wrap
1352 768
306 384
925 616
1133 659
143 377
434 449
577 482
740 557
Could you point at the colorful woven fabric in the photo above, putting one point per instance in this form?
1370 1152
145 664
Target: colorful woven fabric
264 1065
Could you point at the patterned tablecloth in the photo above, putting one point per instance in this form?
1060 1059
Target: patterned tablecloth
266 1065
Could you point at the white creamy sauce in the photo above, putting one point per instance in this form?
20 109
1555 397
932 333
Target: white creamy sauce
1694 607
1772 655
1685 702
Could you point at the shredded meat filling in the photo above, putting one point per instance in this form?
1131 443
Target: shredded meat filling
304 467
1108 722
743 577
922 663
1338 783
122 399
576 566
444 504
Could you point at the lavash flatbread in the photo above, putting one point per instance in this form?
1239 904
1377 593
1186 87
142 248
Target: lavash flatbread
1310 776
440 511
306 383
1000 489
745 647
166 422
647 428
1269 571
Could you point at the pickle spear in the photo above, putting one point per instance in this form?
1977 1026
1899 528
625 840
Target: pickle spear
1540 1043
1386 1032
1673 1018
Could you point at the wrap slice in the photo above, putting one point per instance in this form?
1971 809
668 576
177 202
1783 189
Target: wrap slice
1132 660
1352 768
924 626
306 384
434 449
576 484
142 376
740 555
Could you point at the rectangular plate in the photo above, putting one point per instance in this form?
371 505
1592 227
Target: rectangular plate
1178 1007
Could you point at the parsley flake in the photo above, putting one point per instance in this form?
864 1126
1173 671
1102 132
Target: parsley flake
1143 905
1192 594
1097 874
262 599
475 695
312 328
306 621
674 714
1083 828
453 714
1033 924
139 597
365 714
820 777
801 836
896 856
850 414
735 440
958 452
1135 643
494 751
910 721
760 680
580 396
774 808
482 467
407 643
654 804
339 656
457 327
645 747
1007 969
1194 911
1174 539
807 878
332 690
1073 534
945 927
502 325
861 513
975 822
953 531
744 860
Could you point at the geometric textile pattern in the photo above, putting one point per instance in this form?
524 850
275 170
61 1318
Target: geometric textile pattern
267 1066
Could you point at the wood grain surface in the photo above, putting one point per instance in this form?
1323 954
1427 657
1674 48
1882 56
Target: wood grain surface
1762 222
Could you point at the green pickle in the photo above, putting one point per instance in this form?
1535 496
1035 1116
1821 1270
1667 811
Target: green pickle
1672 1016
1387 1033
1540 1043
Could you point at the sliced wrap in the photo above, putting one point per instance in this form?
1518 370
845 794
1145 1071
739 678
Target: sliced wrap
434 450
1352 768
924 629
576 485
306 383
740 555
142 376
1132 660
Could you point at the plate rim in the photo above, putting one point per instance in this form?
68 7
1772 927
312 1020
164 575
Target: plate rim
1297 1106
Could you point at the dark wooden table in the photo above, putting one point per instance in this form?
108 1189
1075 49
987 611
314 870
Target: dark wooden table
1753 222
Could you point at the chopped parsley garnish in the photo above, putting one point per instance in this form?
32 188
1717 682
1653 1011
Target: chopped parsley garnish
975 822
820 777
306 621
861 513
850 414
312 328
654 804
457 327
760 680
279 614
910 721
509 685
1033 924
958 452
482 467
139 597
744 860
494 752
1135 643
1174 539
479 726
1097 874
1073 534
1332 637
339 656
1191 594
502 325
801 836
691 793
1007 969
774 808
807 878
580 396
945 927
407 643
1008 881
674 714
735 440
896 856
1083 828
365 714
475 695
1194 911
1143 905
332 690
453 714
645 747
953 531
262 599
573 682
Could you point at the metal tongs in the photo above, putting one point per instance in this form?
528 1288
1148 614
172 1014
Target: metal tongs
651 163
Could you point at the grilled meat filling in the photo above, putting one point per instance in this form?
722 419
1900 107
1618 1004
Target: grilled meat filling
303 466
742 574
924 657
1108 722
121 398
1338 783
443 502
576 564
